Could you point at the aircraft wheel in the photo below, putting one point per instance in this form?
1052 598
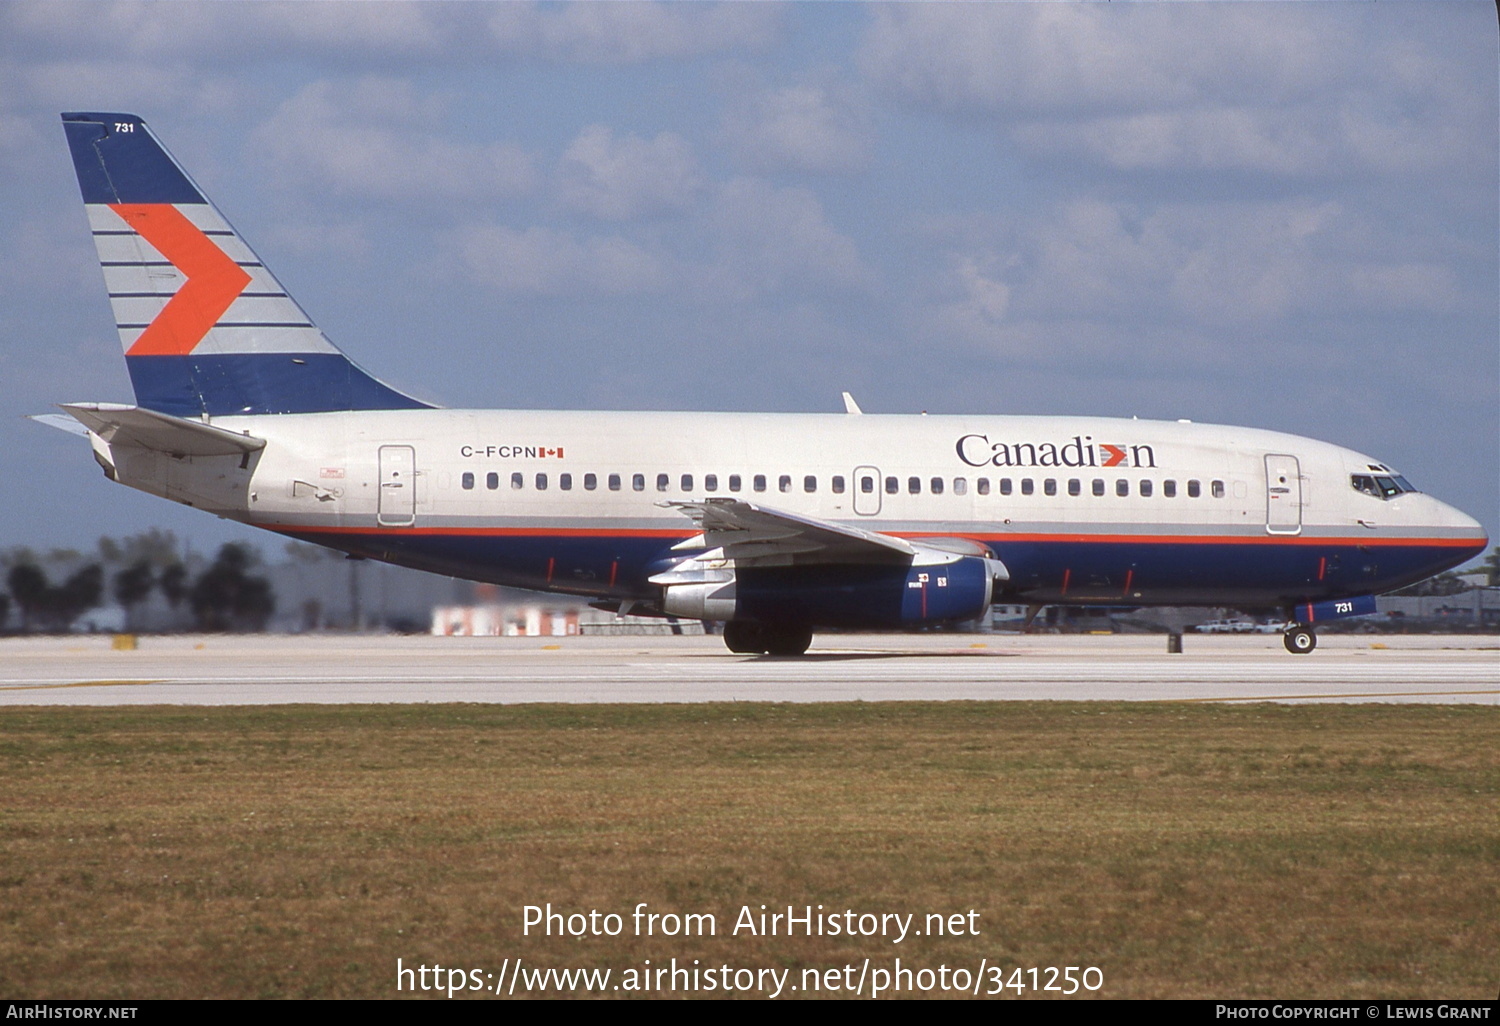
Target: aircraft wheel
787 641
744 638
1300 640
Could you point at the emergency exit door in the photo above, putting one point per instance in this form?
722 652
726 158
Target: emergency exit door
398 486
1283 495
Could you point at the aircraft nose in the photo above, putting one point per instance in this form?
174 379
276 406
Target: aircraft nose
1456 523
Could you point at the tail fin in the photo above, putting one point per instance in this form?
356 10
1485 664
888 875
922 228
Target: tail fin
207 329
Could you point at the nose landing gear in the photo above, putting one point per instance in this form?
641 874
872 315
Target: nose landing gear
1299 639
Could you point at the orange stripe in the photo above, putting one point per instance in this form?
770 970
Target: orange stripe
213 282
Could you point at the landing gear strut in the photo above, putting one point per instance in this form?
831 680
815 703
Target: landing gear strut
1299 639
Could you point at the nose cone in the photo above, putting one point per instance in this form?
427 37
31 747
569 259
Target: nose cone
1456 527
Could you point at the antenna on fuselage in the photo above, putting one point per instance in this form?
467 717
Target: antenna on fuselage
850 406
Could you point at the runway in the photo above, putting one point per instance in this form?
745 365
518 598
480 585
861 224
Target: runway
271 670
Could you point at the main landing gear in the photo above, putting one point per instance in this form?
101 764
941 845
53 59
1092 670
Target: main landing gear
747 638
1299 639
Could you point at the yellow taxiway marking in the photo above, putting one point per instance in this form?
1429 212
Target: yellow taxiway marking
1352 694
77 684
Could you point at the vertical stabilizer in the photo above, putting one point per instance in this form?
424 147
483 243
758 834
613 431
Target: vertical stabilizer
206 328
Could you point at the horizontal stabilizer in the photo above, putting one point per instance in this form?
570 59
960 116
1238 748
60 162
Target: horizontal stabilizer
62 423
147 429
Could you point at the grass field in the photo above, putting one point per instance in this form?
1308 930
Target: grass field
1185 850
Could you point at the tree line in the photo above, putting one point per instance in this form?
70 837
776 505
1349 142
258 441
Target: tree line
225 596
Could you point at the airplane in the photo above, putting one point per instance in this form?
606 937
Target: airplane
773 524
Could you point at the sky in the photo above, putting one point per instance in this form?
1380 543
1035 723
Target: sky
1278 215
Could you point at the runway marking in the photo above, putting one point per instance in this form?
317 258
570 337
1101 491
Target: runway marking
79 684
1354 694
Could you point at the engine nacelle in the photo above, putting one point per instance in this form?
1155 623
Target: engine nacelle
944 588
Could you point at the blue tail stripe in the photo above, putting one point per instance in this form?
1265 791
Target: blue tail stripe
119 161
225 384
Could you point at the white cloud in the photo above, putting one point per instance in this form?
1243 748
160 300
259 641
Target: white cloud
800 128
631 33
769 239
1192 270
618 179
544 262
1275 89
1213 139
982 302
370 137
214 34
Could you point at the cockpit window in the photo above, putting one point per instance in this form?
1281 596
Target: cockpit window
1379 485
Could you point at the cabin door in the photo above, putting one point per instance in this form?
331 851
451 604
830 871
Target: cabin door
1283 495
398 486
866 491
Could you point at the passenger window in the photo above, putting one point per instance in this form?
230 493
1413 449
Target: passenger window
1098 486
1169 488
734 482
687 482
838 485
1075 486
759 482
1194 489
1122 487
892 485
983 485
590 482
663 482
867 485
614 482
1026 486
492 480
541 482
809 483
565 482
711 482
517 481
1005 486
468 480
1146 489
1049 486
914 485
1218 489
960 486
937 486
784 483
638 482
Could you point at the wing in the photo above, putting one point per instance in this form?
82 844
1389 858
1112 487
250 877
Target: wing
756 536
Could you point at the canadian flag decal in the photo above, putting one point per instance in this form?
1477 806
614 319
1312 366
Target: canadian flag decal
213 282
553 452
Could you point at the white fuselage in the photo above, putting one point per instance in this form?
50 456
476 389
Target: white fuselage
574 487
